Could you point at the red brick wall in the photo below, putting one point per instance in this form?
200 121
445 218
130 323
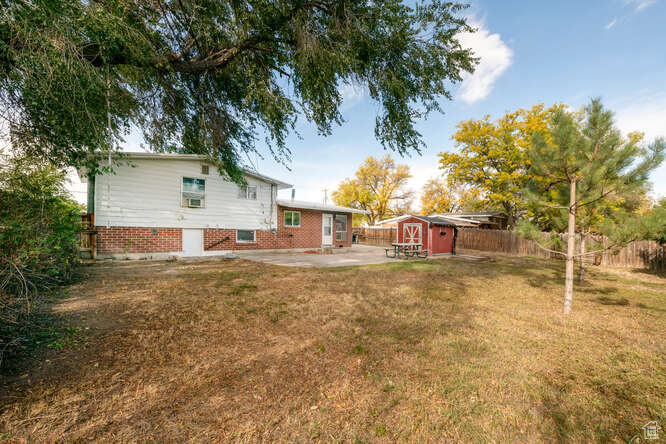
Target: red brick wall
138 240
115 240
308 235
216 239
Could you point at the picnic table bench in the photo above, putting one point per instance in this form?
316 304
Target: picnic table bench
408 249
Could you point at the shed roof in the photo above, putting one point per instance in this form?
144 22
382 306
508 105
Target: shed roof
303 205
436 220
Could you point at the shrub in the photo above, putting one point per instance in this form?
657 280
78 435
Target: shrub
38 236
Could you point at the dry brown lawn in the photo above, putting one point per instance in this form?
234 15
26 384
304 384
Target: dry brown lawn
430 351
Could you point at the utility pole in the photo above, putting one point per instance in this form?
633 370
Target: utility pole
325 195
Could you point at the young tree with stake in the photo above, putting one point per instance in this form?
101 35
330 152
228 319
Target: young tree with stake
586 162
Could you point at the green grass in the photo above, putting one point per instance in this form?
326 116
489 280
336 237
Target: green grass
414 351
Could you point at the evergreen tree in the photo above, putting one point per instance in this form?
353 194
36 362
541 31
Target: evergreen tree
585 162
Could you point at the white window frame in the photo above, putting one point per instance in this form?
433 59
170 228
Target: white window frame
284 219
254 237
335 230
246 194
183 204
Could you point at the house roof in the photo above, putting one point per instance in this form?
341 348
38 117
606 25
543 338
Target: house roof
460 221
454 220
437 221
176 156
302 205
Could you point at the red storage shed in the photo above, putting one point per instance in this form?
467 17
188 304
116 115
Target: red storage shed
437 235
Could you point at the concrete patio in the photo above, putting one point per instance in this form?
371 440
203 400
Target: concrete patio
357 255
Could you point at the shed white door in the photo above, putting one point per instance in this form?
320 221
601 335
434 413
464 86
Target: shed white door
326 229
411 233
192 242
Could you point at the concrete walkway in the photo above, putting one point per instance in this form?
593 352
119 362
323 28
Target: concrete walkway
357 255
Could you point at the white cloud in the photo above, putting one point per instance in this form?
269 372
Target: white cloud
646 113
496 57
352 94
639 5
611 24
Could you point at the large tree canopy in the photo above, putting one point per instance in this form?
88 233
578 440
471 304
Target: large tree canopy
380 188
211 76
493 157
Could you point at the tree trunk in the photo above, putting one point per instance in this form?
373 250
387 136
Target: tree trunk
571 249
581 264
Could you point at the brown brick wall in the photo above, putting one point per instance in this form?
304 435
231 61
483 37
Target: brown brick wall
115 240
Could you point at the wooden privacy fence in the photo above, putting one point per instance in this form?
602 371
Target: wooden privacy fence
638 254
375 236
87 236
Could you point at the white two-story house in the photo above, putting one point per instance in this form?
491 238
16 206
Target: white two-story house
161 205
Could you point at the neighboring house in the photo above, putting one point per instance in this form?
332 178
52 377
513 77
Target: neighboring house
495 220
161 205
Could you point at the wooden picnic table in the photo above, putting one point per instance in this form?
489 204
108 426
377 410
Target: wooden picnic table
409 249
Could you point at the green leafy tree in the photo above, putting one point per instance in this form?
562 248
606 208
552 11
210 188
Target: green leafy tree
492 160
655 222
379 187
440 196
211 76
39 225
582 161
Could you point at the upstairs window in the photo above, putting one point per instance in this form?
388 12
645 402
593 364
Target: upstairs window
193 192
248 192
292 218
341 227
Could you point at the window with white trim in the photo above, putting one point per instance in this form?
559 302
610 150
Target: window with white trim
292 218
247 192
341 227
193 192
245 236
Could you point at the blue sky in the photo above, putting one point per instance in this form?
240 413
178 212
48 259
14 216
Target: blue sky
531 52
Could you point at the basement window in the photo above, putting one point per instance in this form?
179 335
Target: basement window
292 218
245 236
340 227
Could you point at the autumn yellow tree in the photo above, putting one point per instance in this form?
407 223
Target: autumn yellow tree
440 196
379 187
492 159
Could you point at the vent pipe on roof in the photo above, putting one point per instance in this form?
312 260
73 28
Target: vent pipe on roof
293 193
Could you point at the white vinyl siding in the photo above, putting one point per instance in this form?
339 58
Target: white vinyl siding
150 195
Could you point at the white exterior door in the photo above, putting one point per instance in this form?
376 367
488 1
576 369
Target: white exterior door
192 242
327 229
